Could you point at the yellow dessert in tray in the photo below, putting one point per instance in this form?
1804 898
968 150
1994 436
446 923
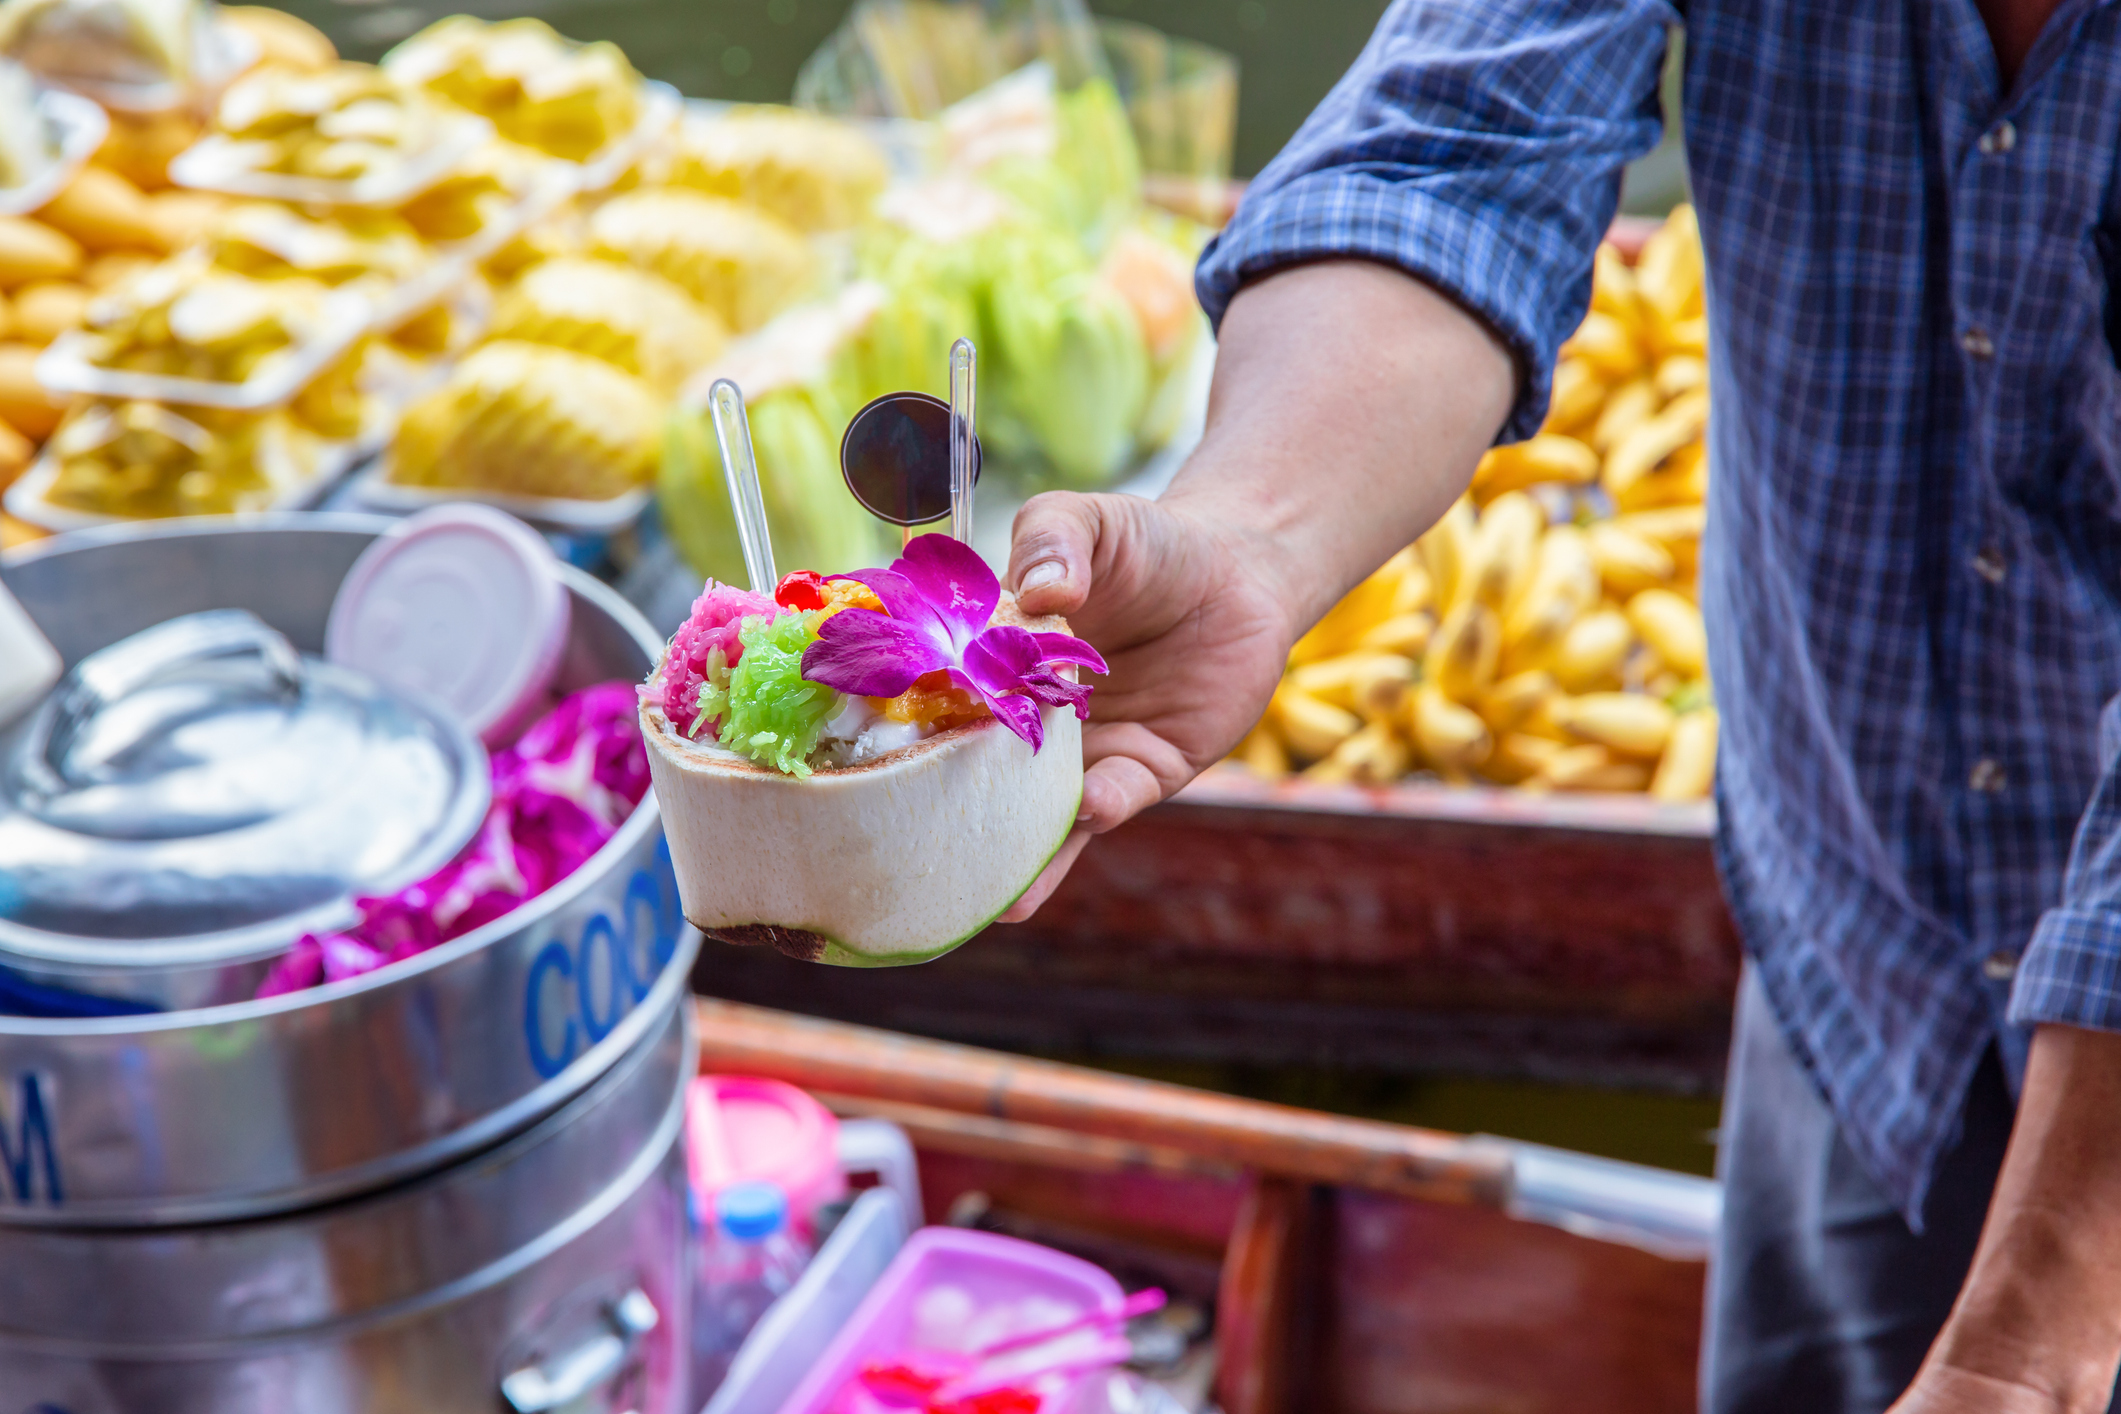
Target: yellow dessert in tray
537 88
632 319
186 319
815 173
144 459
341 124
533 420
737 260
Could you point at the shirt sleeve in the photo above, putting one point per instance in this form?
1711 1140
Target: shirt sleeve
2070 973
1476 144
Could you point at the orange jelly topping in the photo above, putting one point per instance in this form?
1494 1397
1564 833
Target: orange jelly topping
933 700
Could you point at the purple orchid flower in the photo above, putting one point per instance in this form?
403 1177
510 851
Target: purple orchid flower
937 599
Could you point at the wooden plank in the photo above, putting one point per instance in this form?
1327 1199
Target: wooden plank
1417 928
1264 1307
1282 1139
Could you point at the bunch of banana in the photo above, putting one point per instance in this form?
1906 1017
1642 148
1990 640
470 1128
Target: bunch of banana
1545 633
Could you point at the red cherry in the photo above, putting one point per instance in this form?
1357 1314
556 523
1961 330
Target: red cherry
800 589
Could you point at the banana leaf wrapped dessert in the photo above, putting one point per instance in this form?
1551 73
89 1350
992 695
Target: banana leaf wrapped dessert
535 421
633 319
865 770
814 172
740 262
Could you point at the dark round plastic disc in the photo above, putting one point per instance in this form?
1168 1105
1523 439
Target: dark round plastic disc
896 458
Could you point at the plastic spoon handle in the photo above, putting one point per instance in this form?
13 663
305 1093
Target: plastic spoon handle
964 383
1114 1351
1141 1303
732 432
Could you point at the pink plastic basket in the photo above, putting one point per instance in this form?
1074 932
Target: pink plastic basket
991 1268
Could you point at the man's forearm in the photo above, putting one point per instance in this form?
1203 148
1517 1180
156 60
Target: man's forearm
2041 1309
1351 403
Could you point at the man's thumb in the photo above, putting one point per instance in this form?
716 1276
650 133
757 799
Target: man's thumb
1050 552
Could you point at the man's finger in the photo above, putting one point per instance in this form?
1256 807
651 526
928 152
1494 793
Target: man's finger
1115 790
1048 879
1050 550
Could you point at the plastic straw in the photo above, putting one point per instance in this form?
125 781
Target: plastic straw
964 381
1141 1303
732 432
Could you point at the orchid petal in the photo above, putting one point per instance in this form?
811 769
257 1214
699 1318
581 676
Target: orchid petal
998 659
1062 648
903 601
1050 689
867 654
952 577
1020 715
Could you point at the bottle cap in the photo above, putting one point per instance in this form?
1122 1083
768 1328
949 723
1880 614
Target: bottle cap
752 1211
462 604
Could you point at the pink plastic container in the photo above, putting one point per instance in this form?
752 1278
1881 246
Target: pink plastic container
989 1268
739 1128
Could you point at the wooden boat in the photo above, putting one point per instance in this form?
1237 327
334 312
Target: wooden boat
1408 928
1353 1267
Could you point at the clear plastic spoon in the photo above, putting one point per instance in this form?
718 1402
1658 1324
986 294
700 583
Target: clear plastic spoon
964 383
732 433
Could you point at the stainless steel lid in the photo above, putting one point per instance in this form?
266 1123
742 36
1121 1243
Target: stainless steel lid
202 792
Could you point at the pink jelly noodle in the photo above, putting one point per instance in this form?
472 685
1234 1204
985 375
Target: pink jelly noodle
559 794
716 615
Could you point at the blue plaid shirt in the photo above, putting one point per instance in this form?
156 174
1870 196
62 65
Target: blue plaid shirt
1913 570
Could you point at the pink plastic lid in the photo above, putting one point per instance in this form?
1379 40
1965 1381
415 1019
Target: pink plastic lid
740 1127
462 604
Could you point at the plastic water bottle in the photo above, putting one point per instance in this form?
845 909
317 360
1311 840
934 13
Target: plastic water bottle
746 1260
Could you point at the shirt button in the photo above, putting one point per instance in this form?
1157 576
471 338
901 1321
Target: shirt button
1976 342
1990 565
2000 966
2001 138
1987 775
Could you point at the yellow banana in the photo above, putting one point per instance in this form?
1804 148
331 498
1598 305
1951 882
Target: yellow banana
1672 627
1452 738
1263 753
1631 405
1683 480
1688 336
1507 705
1547 457
1578 394
1669 274
1590 654
1563 584
1590 768
1461 658
1445 550
1364 605
1613 285
1415 593
1627 723
1506 548
1380 683
1312 728
1644 450
1608 345
1518 757
1627 562
1374 756
1688 769
1681 373
1405 634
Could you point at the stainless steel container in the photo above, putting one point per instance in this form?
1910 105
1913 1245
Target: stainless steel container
268 1107
546 1274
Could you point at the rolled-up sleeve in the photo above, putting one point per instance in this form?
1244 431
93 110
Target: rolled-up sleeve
2071 970
1477 145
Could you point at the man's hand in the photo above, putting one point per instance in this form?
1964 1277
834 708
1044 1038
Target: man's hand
2037 1327
1194 632
1350 405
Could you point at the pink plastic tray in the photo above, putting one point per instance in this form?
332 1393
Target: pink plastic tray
990 1267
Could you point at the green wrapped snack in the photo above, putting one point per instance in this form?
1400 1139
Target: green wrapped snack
766 710
1071 375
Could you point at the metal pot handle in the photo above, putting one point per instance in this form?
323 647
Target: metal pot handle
109 675
567 1375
